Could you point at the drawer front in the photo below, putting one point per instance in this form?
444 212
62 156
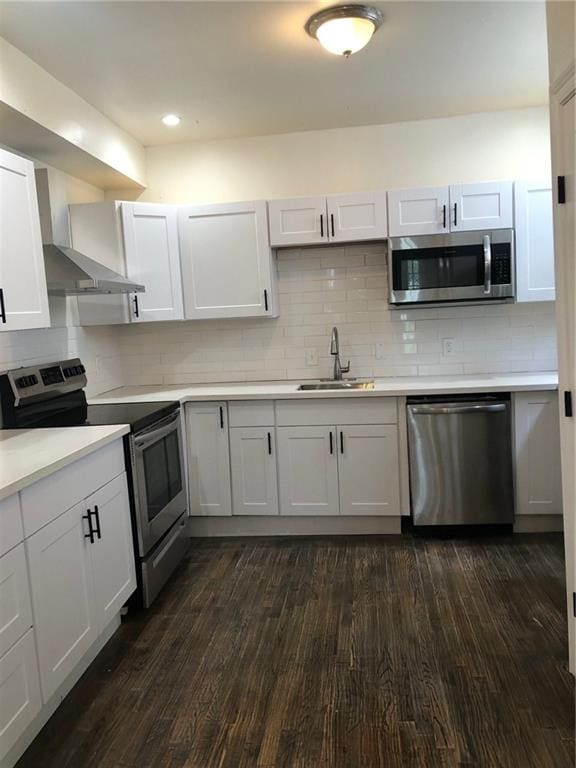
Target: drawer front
15 607
376 410
48 498
251 413
20 699
11 530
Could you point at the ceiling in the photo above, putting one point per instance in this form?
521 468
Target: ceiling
248 68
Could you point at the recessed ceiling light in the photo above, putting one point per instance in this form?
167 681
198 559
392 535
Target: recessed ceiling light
344 29
171 120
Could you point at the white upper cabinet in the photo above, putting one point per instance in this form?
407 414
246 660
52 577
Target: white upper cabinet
336 219
153 260
298 221
139 240
357 217
24 296
422 211
227 263
486 205
534 241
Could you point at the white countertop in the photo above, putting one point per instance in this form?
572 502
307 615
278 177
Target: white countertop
429 385
28 455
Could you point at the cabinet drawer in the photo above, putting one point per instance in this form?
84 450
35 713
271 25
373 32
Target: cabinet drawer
11 531
376 410
250 413
20 699
15 607
48 498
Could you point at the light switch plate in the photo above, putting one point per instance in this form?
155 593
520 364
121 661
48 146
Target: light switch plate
448 347
311 357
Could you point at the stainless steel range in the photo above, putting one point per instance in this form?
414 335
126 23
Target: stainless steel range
52 395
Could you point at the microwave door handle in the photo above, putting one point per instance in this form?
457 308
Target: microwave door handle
487 264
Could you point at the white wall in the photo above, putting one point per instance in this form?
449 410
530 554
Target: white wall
561 24
343 286
495 145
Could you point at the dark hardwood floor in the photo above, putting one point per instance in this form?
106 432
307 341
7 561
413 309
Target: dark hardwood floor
334 653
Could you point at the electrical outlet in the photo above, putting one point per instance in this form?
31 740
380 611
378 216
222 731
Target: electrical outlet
448 347
380 351
311 357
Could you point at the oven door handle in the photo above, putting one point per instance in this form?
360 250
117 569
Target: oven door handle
487 264
159 430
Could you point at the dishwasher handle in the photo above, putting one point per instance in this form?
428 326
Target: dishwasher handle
447 409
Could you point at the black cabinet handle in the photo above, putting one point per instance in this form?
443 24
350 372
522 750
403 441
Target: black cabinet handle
341 442
321 225
96 514
269 443
265 299
89 535
2 306
331 443
221 417
455 213
136 310
332 223
444 216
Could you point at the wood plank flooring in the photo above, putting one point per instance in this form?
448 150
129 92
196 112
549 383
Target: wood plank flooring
377 652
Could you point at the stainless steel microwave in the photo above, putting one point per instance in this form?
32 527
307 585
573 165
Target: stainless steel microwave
458 267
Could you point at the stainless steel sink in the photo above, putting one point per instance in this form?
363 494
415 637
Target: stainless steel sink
331 385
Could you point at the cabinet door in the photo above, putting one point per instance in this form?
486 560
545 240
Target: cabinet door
487 205
307 471
112 553
208 459
422 211
20 699
534 241
22 274
368 470
153 259
62 595
254 476
298 221
226 261
537 451
15 608
357 217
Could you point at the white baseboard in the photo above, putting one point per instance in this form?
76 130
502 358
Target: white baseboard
292 526
538 523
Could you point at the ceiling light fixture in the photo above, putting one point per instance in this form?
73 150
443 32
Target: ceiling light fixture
344 29
171 120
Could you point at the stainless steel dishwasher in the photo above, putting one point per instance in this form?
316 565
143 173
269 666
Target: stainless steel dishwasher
460 460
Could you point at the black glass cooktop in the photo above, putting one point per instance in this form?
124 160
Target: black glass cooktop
78 414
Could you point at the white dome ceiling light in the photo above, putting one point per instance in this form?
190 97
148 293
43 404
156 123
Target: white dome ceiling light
344 29
171 120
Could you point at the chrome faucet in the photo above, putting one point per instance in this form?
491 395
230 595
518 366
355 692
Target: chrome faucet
335 351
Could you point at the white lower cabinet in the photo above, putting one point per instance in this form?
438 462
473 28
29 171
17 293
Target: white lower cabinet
308 471
15 607
368 470
254 475
208 459
20 699
537 453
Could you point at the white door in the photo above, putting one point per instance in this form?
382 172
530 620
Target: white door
359 216
486 205
368 470
62 595
254 475
226 261
298 221
537 453
24 296
15 607
208 459
153 260
307 471
422 211
20 699
112 553
534 241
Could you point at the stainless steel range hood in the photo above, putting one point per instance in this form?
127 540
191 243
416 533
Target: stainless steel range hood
69 272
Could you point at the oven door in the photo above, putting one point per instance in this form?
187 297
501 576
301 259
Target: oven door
465 266
159 486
